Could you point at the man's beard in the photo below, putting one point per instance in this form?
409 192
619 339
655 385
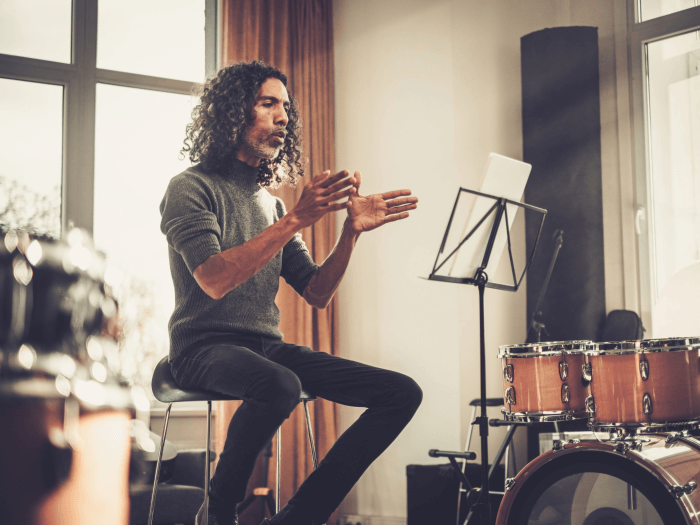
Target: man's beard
260 148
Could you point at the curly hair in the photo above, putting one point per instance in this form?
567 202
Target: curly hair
225 110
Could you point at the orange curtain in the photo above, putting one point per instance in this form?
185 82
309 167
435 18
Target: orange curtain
296 36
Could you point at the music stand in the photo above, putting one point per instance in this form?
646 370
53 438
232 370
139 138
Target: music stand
481 280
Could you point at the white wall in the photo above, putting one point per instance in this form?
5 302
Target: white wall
425 89
395 123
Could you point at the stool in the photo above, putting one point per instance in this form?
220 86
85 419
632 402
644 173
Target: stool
166 390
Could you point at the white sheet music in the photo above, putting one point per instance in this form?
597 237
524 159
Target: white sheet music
504 177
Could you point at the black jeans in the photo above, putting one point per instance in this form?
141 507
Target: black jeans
268 375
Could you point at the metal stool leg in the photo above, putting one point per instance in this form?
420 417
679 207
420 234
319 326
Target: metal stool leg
160 459
277 482
207 465
312 444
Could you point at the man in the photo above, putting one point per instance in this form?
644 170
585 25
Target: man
229 241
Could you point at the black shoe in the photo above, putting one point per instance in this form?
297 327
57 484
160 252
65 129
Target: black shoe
216 518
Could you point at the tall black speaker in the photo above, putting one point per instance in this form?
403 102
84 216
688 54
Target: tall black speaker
561 139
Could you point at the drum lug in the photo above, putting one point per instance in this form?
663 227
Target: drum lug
590 405
588 372
510 483
563 370
673 437
647 405
636 444
508 373
621 447
644 369
679 491
558 445
565 394
510 395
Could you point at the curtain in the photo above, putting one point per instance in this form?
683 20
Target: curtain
296 36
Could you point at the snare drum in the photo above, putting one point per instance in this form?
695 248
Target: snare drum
644 385
542 381
67 413
651 480
54 305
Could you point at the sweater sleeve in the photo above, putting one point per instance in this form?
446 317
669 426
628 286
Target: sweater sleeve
188 222
297 265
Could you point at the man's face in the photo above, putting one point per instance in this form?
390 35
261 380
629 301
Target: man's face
264 136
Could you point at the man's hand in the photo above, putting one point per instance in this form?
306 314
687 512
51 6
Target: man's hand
321 195
366 213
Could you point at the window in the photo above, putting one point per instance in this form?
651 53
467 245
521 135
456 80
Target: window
40 29
95 96
649 9
665 54
30 170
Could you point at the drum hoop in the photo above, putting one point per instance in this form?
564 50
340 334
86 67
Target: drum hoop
29 388
527 355
646 428
56 253
543 416
644 345
647 350
594 446
550 347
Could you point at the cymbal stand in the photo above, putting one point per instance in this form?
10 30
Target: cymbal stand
535 324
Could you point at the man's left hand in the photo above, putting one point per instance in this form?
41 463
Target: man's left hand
368 212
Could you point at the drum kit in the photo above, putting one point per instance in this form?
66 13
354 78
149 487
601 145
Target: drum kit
71 435
640 462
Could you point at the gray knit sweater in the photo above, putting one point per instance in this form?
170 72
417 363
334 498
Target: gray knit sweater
204 214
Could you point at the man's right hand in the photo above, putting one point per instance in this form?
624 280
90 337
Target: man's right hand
321 195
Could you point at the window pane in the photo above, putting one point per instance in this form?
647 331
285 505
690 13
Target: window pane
138 137
674 119
36 29
655 8
31 133
162 38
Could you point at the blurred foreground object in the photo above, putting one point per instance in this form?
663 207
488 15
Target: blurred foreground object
74 427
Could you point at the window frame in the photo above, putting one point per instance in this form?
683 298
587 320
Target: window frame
638 35
79 80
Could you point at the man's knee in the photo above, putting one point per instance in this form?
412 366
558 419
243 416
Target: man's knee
408 394
414 394
279 390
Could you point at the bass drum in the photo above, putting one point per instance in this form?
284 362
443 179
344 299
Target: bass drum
648 481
